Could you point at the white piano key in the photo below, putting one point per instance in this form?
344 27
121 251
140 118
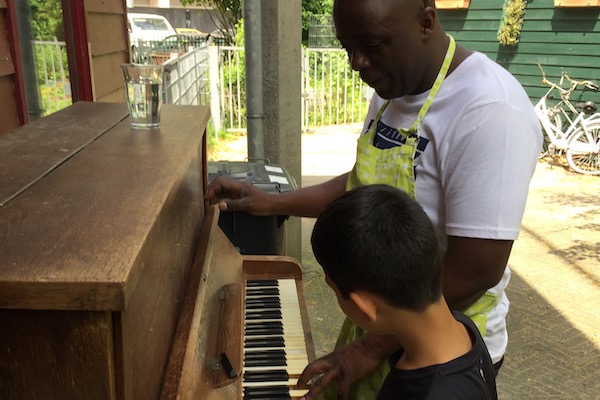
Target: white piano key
293 334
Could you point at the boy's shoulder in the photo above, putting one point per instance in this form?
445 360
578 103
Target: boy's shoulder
470 376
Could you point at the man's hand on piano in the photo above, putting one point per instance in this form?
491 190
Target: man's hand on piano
346 365
235 195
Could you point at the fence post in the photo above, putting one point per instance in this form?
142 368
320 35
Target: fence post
215 109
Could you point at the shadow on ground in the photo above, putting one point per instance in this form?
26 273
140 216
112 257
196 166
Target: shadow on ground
547 357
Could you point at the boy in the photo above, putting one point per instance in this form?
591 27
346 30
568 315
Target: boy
381 256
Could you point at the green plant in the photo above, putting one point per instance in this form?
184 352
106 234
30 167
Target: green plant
228 12
512 22
233 80
226 15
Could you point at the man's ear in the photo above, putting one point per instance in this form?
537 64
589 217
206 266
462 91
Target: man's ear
365 303
427 20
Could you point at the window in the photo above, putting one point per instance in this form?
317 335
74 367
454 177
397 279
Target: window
450 4
576 3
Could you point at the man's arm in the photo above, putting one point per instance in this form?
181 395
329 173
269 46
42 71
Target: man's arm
471 267
347 364
232 195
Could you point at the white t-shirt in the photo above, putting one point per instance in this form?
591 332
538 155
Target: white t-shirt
477 151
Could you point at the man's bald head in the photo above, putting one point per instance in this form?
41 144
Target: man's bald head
394 44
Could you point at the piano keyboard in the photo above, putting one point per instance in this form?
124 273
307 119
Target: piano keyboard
274 348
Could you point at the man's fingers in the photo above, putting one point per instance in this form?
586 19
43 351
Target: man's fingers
235 204
327 376
309 373
223 206
319 385
313 369
223 187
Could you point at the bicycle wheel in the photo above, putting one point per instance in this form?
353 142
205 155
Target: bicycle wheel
583 150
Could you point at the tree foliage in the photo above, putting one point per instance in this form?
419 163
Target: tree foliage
310 8
46 19
229 12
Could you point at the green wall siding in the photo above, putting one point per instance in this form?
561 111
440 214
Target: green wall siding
557 38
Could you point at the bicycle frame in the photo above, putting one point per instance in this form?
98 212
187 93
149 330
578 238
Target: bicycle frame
559 138
551 118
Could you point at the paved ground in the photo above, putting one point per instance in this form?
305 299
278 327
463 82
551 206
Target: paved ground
554 320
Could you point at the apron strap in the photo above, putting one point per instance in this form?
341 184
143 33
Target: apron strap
443 72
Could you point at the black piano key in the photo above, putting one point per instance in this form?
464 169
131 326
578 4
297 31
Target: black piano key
254 295
268 397
262 291
268 302
263 325
259 282
278 362
266 390
263 332
265 307
263 315
262 299
273 311
278 392
274 353
259 325
277 375
263 304
273 341
274 358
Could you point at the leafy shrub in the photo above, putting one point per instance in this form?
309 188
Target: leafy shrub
512 22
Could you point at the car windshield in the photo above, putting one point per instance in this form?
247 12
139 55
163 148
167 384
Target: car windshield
150 24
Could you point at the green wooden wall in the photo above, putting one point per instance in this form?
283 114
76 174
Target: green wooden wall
557 38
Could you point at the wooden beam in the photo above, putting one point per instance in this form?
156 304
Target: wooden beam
13 39
75 25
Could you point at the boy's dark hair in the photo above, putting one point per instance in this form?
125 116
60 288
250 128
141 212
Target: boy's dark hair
378 239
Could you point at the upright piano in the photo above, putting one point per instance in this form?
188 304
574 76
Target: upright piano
117 283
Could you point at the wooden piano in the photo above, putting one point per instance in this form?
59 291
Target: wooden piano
116 283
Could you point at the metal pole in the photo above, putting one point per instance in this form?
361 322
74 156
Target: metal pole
254 80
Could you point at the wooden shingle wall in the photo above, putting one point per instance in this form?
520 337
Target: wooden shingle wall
9 114
106 24
557 38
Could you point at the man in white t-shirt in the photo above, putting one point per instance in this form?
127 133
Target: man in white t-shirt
475 152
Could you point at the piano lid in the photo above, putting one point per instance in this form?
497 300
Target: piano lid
83 220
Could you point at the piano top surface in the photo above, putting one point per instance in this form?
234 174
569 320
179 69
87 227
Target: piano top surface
79 192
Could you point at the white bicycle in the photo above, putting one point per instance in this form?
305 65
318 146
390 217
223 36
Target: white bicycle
572 129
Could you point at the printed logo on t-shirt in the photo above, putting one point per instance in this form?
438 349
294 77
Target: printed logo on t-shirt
387 137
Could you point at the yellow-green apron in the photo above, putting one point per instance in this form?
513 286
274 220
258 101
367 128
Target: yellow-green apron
394 167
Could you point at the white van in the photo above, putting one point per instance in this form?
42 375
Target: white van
148 27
